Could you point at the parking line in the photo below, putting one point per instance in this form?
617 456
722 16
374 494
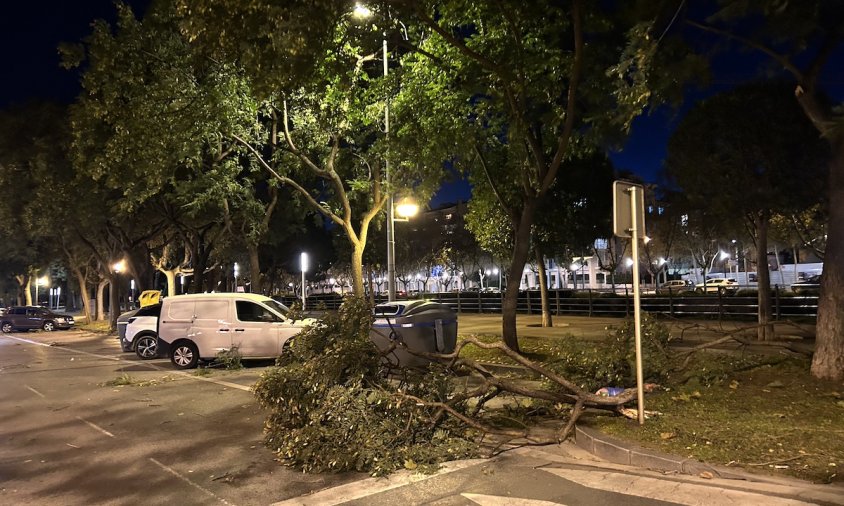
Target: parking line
189 481
95 426
151 366
35 391
30 341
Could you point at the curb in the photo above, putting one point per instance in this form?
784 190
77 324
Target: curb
623 452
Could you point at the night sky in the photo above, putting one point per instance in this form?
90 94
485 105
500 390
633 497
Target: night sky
31 31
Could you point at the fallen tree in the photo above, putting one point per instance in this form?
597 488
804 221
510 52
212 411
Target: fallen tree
333 406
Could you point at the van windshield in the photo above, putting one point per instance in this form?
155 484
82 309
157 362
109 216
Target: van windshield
278 307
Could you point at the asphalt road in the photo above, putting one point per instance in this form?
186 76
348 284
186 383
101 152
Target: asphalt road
175 438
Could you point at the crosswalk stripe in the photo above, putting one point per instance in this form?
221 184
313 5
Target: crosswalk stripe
689 494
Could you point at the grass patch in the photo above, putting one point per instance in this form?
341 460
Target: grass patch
774 418
760 413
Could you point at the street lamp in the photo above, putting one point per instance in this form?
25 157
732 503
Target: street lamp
363 12
235 271
303 263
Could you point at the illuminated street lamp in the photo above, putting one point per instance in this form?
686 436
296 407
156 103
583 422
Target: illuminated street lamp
303 264
42 281
363 12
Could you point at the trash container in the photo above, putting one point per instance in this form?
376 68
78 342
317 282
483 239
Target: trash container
420 324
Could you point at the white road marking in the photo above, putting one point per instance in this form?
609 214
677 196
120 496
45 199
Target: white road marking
189 481
689 494
151 366
371 486
30 341
494 500
36 392
95 426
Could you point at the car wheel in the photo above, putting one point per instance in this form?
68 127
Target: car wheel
146 347
48 326
698 290
184 355
7 327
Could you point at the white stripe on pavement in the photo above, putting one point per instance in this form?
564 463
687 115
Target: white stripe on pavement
689 494
29 341
189 481
36 392
494 500
372 486
95 426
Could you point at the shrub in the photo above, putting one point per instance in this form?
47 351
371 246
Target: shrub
331 408
594 366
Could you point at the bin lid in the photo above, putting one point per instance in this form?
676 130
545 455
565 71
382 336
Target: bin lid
398 308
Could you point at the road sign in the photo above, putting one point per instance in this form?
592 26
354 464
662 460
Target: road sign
622 209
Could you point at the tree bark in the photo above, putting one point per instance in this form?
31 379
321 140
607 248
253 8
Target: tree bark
255 268
521 249
100 302
357 267
828 360
83 292
543 291
765 330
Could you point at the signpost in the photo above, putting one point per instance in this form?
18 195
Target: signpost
629 221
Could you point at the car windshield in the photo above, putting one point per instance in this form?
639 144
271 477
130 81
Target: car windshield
278 307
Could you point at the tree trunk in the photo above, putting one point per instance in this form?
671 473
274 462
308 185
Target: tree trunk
100 301
521 249
765 331
255 269
357 267
828 360
543 291
114 302
83 291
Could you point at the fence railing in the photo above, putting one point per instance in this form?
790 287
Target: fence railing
594 303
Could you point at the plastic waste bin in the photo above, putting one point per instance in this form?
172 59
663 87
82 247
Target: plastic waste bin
420 324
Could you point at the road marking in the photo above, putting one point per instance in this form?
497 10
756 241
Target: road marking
372 486
689 494
30 341
151 366
36 392
189 481
95 426
494 500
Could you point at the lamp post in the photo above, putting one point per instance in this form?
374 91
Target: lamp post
303 263
362 12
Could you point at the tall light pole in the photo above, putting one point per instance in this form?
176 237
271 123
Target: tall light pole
303 263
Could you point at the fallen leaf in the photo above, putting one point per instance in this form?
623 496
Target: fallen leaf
707 475
667 435
734 384
775 384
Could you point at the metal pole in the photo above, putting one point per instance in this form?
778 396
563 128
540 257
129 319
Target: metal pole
391 243
637 313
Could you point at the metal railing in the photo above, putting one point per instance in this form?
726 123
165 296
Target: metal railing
597 303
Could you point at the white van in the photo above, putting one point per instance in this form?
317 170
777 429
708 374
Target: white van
199 326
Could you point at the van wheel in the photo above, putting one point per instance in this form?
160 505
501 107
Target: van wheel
6 327
184 355
48 326
146 347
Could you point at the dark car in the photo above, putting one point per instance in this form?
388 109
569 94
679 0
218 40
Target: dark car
810 285
34 317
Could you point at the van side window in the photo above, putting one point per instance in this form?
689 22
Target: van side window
251 312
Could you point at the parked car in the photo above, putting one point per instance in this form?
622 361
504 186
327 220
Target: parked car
718 285
676 287
810 285
34 317
142 332
198 327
